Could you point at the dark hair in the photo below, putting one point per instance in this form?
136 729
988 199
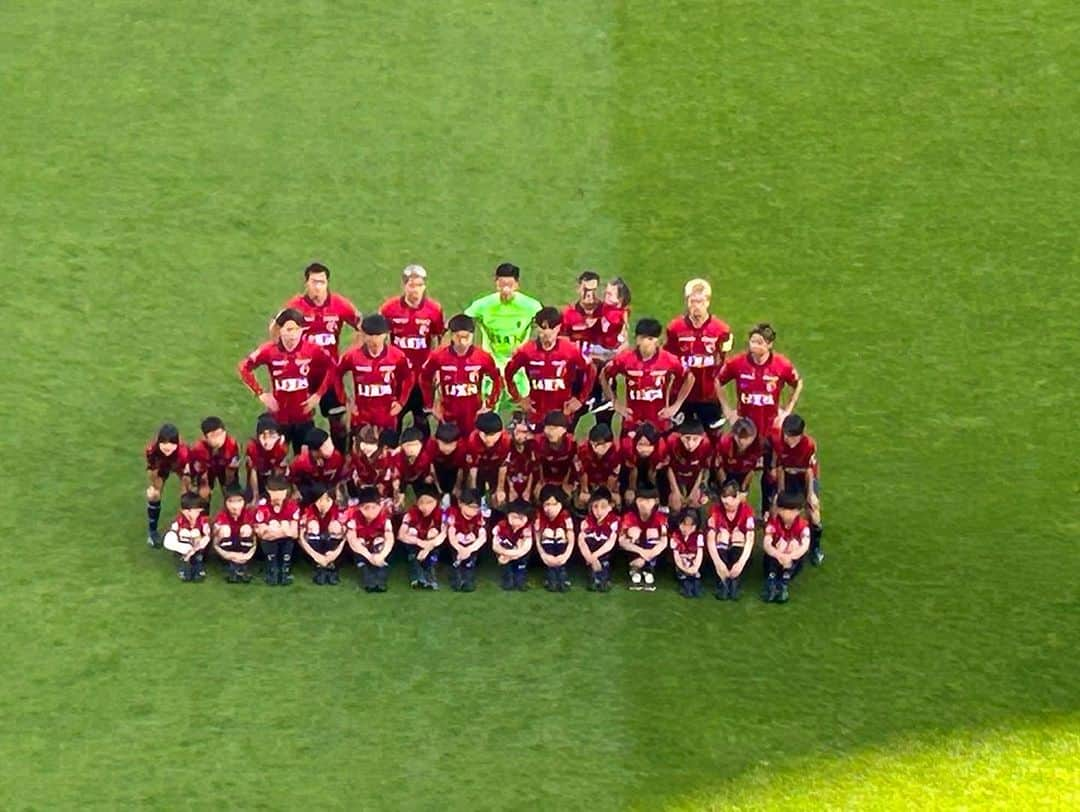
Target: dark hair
469 496
447 432
412 435
648 328
691 426
266 422
315 438
548 317
211 424
788 500
649 432
424 489
234 489
277 483
508 269
763 329
744 427
518 418
731 486
316 267
168 433
688 513
588 276
461 323
366 434
519 506
375 324
556 418
619 284
553 492
388 438
367 495
191 501
793 425
287 315
489 423
647 492
601 433
317 491
600 493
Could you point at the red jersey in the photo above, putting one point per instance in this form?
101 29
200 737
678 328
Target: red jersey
378 381
758 386
555 376
587 329
686 465
265 512
419 469
380 470
650 384
597 532
175 463
423 525
234 542
520 464
651 464
487 461
743 520
295 375
701 351
553 462
371 535
469 528
461 378
266 463
311 467
597 470
504 537
687 547
554 535
795 460
190 531
214 462
414 330
733 462
455 459
323 322
311 514
786 538
610 330
653 529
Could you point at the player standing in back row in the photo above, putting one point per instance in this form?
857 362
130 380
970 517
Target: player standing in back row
416 326
700 340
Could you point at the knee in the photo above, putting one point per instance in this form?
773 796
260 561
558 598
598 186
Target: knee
245 532
313 528
222 533
153 494
335 528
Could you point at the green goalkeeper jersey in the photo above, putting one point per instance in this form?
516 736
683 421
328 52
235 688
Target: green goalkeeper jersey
504 326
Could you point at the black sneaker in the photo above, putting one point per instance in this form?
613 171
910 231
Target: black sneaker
817 557
733 589
271 575
243 575
319 577
770 590
153 539
285 576
468 581
721 593
333 577
782 593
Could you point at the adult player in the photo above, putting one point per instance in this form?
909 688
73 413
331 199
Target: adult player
381 376
559 377
301 372
656 384
584 323
325 313
458 373
759 375
504 318
700 340
416 327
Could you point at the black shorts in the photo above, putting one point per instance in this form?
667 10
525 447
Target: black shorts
795 484
296 434
708 412
330 406
415 406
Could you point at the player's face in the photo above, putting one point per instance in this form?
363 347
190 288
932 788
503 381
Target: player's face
517 520
375 344
697 305
326 449
192 514
588 294
552 506
324 503
645 506
277 498
521 434
469 511
234 504
600 508
744 442
427 504
168 449
506 287
792 440
413 290
461 340
554 434
687 527
611 296
691 441
730 501
412 448
787 515
269 439
600 449
548 335
644 447
647 345
317 287
290 334
369 510
446 448
490 440
368 449
759 347
216 438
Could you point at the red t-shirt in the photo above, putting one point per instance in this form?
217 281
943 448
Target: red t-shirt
651 464
758 386
486 460
555 376
743 520
295 376
520 463
214 462
175 463
380 471
419 469
686 465
323 322
371 535
421 524
554 535
687 547
650 384
553 462
597 470
468 528
265 512
794 460
233 541
312 467
378 382
653 529
598 532
505 537
785 538
610 330
453 459
701 351
186 530
311 514
414 330
461 379
728 458
266 463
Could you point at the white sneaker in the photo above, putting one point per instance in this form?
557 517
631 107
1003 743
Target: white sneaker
635 580
650 582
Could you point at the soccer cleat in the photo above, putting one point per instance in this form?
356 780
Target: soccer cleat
635 580
285 576
232 577
243 575
271 575
782 593
332 576
817 557
319 577
550 583
770 589
184 574
650 582
153 539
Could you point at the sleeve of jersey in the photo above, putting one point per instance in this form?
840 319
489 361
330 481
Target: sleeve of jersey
425 378
246 368
329 373
405 375
671 343
588 378
492 372
517 360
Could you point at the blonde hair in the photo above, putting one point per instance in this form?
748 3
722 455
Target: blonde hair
697 286
413 272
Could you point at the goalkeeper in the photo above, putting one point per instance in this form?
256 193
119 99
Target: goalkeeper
504 319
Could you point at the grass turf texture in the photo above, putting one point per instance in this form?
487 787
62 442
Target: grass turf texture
892 185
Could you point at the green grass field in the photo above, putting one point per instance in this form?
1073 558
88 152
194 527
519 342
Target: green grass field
893 185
